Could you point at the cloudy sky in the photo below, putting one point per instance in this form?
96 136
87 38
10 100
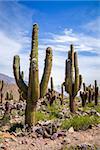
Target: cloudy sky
60 24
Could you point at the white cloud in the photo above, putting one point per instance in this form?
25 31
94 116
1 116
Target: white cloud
8 48
15 38
93 26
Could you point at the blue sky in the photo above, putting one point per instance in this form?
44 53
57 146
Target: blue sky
60 24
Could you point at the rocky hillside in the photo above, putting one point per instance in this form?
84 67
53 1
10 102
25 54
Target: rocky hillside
7 79
9 86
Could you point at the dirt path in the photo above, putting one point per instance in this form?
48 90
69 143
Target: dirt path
31 142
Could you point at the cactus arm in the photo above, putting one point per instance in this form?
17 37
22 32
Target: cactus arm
68 81
46 73
72 62
80 81
76 84
16 69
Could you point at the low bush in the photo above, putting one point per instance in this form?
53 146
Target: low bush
80 122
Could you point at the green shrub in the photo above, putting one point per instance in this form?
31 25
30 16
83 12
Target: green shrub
97 108
80 122
41 116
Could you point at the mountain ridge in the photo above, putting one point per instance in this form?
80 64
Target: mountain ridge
7 79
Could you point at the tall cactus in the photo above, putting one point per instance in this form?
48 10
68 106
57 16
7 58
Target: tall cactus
51 84
84 95
33 91
1 90
72 78
96 88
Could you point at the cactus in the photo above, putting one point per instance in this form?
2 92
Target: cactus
52 85
62 93
96 92
21 92
72 78
1 90
84 95
9 96
33 91
90 92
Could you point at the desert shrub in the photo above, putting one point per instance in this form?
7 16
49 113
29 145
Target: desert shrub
90 105
80 122
97 108
41 116
16 126
5 120
21 113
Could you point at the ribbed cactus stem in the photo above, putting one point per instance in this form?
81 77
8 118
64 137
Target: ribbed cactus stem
83 95
73 80
17 73
1 90
46 73
62 93
96 92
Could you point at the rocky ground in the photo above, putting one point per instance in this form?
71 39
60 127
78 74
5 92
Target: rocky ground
89 139
48 134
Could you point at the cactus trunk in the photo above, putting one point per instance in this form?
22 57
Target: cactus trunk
72 103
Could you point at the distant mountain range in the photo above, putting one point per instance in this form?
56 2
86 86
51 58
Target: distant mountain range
7 79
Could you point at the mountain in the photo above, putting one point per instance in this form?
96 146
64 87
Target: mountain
7 79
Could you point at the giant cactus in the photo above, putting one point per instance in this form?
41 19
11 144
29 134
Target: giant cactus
72 78
33 91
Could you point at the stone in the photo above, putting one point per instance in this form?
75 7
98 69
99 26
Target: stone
71 130
54 136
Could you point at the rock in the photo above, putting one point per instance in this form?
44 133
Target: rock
60 115
85 146
24 141
71 130
61 133
40 131
98 114
66 141
54 136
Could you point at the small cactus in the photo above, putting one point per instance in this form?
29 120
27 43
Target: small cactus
62 93
96 92
9 95
73 79
1 90
83 95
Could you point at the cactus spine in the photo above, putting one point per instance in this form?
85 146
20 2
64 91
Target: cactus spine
1 90
33 91
72 78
